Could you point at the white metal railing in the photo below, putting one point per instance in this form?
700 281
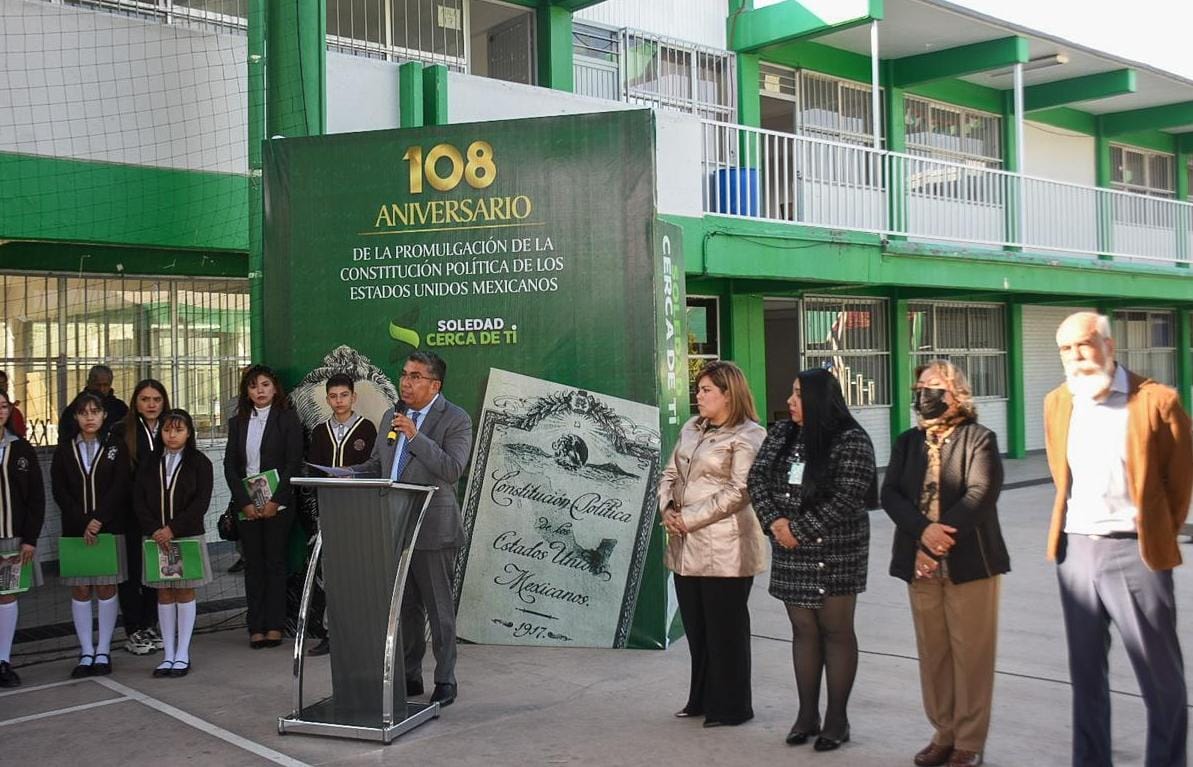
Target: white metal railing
783 177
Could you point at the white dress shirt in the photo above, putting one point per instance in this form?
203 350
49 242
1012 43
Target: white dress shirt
1100 499
252 442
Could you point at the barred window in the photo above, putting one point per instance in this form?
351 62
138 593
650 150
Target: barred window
945 132
704 337
1141 171
824 107
849 337
227 14
1145 341
191 334
971 336
400 30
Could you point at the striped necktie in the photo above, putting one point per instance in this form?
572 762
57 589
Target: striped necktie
404 456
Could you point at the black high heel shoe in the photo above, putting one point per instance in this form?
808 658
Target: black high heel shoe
831 744
798 737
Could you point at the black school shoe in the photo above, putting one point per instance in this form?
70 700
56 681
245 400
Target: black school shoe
103 668
8 677
180 669
83 670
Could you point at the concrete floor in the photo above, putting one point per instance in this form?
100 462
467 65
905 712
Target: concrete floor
523 706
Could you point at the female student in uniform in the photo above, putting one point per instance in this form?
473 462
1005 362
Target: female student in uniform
90 483
172 496
137 431
22 510
264 434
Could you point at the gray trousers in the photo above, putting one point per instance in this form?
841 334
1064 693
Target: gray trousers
428 596
1104 580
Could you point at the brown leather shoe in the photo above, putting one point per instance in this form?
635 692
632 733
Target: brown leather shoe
933 755
963 758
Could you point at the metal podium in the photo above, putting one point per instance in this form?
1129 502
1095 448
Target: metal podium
367 529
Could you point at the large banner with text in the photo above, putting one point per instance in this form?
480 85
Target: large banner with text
527 254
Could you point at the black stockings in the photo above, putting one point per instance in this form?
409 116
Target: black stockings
823 639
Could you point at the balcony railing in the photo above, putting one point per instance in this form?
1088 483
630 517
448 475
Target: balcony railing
758 173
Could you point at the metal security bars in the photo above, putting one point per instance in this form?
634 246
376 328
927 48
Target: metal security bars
945 132
655 71
1145 341
432 31
972 336
800 179
1142 172
228 14
849 337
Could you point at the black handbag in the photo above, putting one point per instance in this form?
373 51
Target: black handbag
226 525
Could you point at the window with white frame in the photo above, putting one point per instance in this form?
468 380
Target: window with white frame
823 106
1142 171
971 336
400 30
849 337
704 337
946 132
1145 342
655 71
191 334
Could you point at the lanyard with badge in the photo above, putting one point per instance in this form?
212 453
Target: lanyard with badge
795 475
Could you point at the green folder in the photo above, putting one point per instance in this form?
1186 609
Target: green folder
26 574
78 560
260 488
186 565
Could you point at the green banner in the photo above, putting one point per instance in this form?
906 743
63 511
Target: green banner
526 246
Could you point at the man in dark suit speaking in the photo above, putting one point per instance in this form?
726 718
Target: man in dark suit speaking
429 441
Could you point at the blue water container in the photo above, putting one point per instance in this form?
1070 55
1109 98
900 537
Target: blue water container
737 191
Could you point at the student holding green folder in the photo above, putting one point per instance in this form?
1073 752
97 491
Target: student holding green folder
90 483
22 510
171 496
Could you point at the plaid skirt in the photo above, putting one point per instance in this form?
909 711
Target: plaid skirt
187 583
105 580
14 544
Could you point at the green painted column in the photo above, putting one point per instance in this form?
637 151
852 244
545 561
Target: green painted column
256 201
1184 357
1010 162
1182 193
749 100
555 47
901 382
435 95
747 341
1016 446
296 35
895 130
410 95
1103 174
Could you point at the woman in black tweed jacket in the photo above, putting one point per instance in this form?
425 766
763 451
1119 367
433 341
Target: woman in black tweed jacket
811 484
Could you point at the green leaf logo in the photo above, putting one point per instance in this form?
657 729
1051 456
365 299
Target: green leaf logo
405 335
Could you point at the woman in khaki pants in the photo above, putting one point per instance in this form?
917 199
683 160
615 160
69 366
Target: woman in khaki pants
714 544
941 489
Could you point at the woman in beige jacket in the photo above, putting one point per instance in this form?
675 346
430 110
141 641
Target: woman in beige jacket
715 545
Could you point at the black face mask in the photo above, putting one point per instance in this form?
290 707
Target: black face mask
929 403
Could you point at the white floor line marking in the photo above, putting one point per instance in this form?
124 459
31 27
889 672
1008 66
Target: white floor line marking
60 711
277 757
46 686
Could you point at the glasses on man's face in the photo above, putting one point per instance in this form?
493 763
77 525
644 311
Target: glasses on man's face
416 378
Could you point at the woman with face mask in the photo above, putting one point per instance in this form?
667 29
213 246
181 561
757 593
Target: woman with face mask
941 490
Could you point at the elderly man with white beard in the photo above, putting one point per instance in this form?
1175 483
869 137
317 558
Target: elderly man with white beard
1121 456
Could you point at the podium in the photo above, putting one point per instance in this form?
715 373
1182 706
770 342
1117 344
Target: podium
367 529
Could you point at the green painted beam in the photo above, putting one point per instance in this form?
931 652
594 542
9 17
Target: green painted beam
1088 88
1184 357
1153 118
73 258
962 60
410 95
1184 142
256 196
901 369
555 48
750 30
571 6
1016 446
435 94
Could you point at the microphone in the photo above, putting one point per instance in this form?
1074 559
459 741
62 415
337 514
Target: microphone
392 437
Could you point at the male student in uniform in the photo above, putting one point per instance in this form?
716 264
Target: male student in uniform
344 439
428 443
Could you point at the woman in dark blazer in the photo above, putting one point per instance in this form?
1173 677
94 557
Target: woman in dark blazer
264 434
941 489
22 511
171 497
811 485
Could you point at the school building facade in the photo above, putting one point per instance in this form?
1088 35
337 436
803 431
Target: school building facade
860 185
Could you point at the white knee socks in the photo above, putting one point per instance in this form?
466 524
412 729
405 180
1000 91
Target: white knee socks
107 624
8 629
167 619
186 625
81 612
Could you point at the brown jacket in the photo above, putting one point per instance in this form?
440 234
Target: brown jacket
706 480
1159 466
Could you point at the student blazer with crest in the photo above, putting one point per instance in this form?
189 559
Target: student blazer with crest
182 506
99 494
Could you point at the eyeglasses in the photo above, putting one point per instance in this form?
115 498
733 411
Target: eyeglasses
416 377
